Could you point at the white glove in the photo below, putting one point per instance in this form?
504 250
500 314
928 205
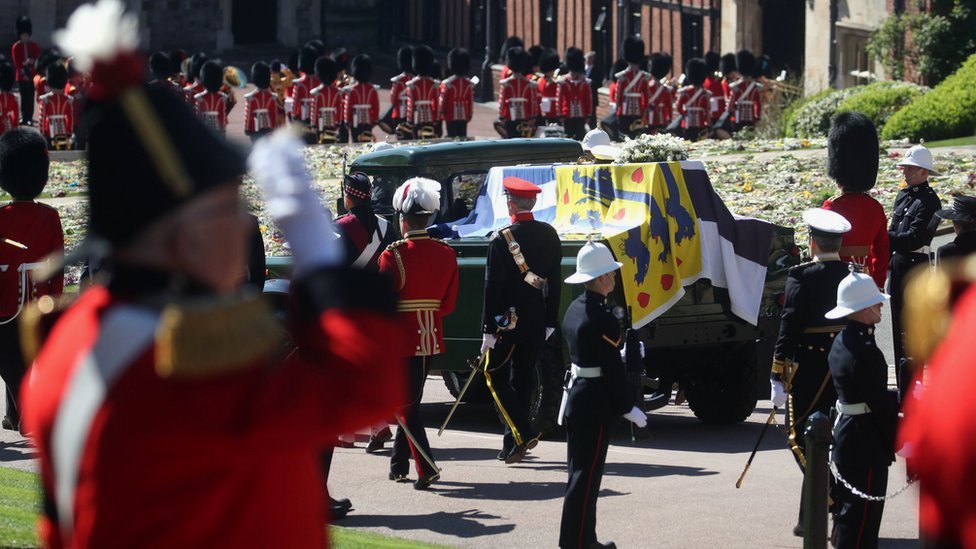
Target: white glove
277 165
779 393
637 417
623 351
488 342
549 332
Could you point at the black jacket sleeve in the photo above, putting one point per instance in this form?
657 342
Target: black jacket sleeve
497 276
919 229
554 281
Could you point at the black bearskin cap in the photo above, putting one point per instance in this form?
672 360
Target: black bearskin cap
619 65
712 59
526 63
575 60
24 25
326 69
509 43
47 57
6 76
549 61
513 58
316 45
341 57
362 68
535 53
176 58
293 61
661 65
57 76
633 50
727 64
212 76
261 75
459 61
275 65
23 163
423 60
695 71
160 66
306 59
196 65
852 151
405 59
746 63
436 71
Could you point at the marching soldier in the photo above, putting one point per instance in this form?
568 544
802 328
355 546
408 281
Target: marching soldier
361 104
260 105
456 99
631 92
326 109
800 377
730 73
509 44
162 69
425 274
574 97
597 393
194 85
548 88
713 83
518 98
213 105
962 214
57 113
281 78
24 53
910 233
522 289
692 102
9 108
744 102
422 96
397 113
301 87
176 59
660 99
609 123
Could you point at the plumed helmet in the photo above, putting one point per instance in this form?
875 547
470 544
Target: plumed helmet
306 59
423 60
159 65
852 152
23 163
417 196
633 50
261 75
575 60
362 68
212 76
727 64
24 25
196 65
746 63
326 69
661 65
618 66
513 59
535 52
6 76
549 61
405 59
712 59
695 71
509 43
459 61
57 76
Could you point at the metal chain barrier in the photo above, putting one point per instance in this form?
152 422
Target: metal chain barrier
860 494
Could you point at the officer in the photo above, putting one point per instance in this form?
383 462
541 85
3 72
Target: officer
800 376
425 274
864 433
962 214
522 288
913 224
596 395
631 93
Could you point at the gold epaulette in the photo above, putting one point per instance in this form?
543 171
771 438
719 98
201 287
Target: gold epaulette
929 296
440 241
36 321
779 366
396 244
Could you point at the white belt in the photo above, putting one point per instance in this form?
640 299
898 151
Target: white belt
586 372
855 409
575 373
923 250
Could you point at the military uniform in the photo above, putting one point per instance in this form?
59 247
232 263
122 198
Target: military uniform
867 242
361 110
548 105
260 112
518 106
693 103
660 104
456 102
422 106
24 54
302 101
575 101
365 235
9 111
326 114
744 102
398 100
212 107
57 116
631 99
963 210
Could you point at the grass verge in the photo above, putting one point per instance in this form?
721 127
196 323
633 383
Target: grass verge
347 538
957 142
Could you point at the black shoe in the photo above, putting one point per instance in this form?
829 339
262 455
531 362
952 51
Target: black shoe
607 545
504 453
424 483
517 454
798 530
338 512
398 478
344 503
8 424
377 441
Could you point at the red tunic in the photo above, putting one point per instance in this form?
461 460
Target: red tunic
398 96
360 105
660 104
518 99
212 109
422 98
745 101
548 93
135 459
611 94
57 114
456 100
867 241
260 111
190 92
24 54
631 92
326 107
715 85
9 111
693 102
574 97
38 227
301 108
425 273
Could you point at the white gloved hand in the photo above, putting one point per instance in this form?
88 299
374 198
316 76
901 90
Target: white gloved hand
549 332
488 342
637 417
779 393
277 165
623 351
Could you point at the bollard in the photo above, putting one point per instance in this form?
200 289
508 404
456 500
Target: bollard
817 434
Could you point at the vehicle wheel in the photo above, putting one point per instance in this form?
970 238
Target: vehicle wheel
726 393
548 393
477 393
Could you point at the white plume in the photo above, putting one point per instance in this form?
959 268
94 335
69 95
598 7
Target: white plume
418 193
98 32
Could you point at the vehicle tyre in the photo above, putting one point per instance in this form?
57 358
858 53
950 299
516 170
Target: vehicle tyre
726 394
477 393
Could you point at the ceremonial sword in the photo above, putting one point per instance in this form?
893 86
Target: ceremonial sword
413 441
769 421
12 242
475 367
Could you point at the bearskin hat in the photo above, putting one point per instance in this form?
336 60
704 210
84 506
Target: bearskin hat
306 59
436 71
362 68
727 64
695 71
852 152
423 60
23 163
196 65
47 57
57 76
633 50
509 43
746 63
159 65
661 65
342 59
619 66
526 63
513 58
575 60
24 25
459 61
316 45
549 61
212 76
6 76
292 62
405 59
535 52
176 58
712 59
326 69
261 75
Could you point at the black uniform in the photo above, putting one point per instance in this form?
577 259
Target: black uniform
512 360
863 444
963 245
594 340
913 224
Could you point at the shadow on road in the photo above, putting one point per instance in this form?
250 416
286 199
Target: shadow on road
509 491
463 524
12 452
632 470
900 543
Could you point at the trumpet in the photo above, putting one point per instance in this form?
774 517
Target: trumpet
329 136
365 136
526 128
234 77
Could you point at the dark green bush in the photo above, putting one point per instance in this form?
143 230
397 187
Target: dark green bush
812 119
880 100
948 111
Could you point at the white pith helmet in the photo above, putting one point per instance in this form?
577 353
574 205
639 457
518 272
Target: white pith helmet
857 291
594 259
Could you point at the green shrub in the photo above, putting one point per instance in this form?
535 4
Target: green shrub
789 114
948 111
880 100
813 118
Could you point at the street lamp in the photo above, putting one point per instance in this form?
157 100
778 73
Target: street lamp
487 89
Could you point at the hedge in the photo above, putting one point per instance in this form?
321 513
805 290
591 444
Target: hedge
879 101
812 119
789 114
948 111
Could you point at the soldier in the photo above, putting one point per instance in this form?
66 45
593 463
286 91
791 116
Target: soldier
800 375
597 393
364 233
548 88
630 96
24 53
57 113
962 214
425 274
594 73
852 161
864 433
456 99
522 289
301 88
509 44
660 99
574 100
281 78
910 233
730 73
422 92
397 113
518 98
743 105
194 85
713 83
326 110
177 75
212 105
609 123
162 69
692 102
361 104
9 108
260 105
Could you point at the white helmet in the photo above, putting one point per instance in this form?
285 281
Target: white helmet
856 292
921 157
594 259
598 143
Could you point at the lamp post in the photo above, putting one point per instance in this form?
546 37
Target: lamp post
487 88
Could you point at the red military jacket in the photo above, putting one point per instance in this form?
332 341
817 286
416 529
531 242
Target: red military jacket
425 273
212 109
9 112
456 100
24 54
210 446
190 92
326 107
693 102
37 226
631 92
518 99
360 105
715 85
574 97
260 111
398 95
660 103
57 114
548 94
867 242
745 100
301 108
422 106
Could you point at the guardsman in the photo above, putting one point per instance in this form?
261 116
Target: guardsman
522 288
510 43
9 107
364 233
422 95
800 376
24 53
962 214
548 88
574 98
852 161
361 103
913 224
31 231
630 95
212 105
281 78
609 122
597 394
518 98
660 98
867 422
260 105
326 110
713 83
692 102
194 85
743 105
171 325
425 274
57 113
730 73
162 69
397 113
456 94
177 58
301 88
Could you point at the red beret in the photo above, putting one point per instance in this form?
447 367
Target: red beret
519 187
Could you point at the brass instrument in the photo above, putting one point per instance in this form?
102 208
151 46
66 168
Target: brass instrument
526 128
426 132
404 128
366 136
61 143
638 125
329 136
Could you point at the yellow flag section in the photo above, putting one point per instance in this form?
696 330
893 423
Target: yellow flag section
646 215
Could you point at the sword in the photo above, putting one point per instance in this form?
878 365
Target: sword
769 421
12 242
475 367
413 441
